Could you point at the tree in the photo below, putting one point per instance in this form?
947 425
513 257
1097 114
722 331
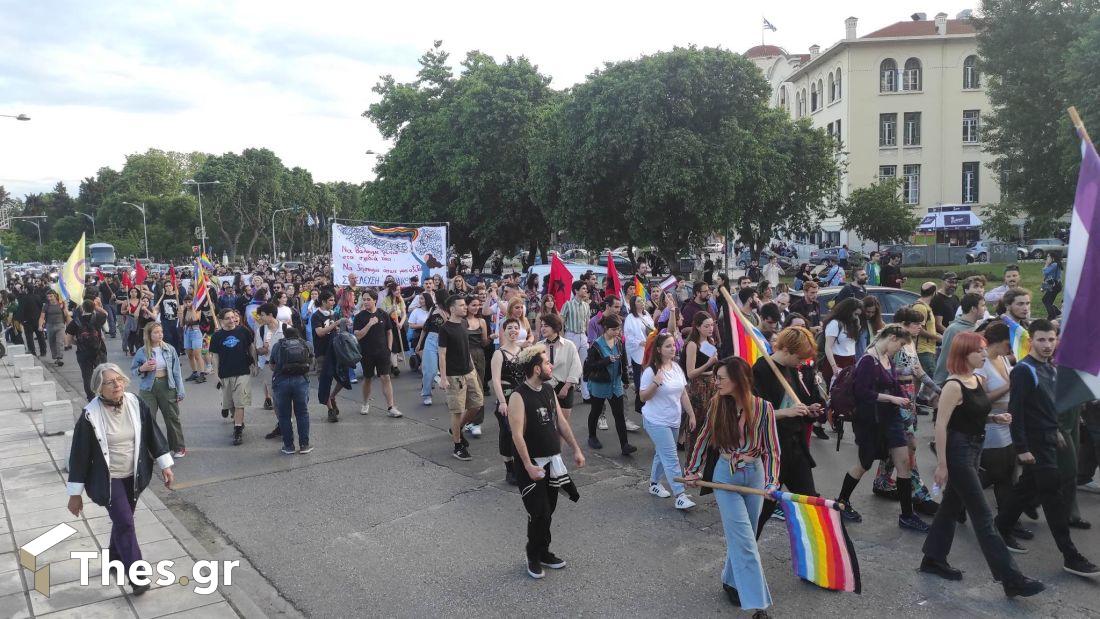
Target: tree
878 213
1035 62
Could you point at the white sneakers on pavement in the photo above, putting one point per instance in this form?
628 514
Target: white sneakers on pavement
365 408
602 424
472 429
659 491
393 412
632 427
683 502
1092 487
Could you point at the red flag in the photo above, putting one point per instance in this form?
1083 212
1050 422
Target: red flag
172 276
612 286
99 275
126 283
139 273
561 282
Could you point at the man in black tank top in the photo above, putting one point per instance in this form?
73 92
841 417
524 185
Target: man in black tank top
538 427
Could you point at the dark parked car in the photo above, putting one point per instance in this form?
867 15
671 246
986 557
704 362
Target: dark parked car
891 299
623 265
818 256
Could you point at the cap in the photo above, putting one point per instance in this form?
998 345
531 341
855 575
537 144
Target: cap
950 275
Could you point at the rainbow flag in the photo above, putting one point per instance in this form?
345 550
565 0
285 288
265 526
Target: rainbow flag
821 551
201 289
204 262
748 342
639 289
1019 337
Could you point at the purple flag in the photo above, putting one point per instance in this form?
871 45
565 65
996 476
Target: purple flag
1078 357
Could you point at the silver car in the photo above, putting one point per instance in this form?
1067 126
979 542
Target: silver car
1039 248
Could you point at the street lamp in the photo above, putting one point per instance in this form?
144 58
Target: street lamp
19 117
275 254
144 228
198 186
30 219
91 219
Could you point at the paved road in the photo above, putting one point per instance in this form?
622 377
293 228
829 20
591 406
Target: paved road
381 520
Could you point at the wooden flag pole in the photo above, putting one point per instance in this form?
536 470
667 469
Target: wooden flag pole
1078 123
771 362
728 487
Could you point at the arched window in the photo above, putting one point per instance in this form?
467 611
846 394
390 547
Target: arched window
783 97
813 97
802 102
832 88
911 78
820 94
839 90
971 79
888 76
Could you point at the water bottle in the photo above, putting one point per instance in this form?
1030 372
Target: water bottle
937 492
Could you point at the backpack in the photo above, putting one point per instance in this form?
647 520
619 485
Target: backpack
296 358
88 340
346 349
842 401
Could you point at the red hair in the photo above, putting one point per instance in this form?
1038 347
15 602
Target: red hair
961 346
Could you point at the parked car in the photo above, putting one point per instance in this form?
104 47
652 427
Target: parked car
765 255
891 299
977 251
622 264
577 269
819 256
575 255
1039 248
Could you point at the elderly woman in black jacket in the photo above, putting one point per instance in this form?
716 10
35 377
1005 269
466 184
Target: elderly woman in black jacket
114 446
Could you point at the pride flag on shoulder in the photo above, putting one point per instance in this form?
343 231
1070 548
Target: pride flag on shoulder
1018 338
821 551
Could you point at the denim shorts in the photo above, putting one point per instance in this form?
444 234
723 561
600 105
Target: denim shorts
192 339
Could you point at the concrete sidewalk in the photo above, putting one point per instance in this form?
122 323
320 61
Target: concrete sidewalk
32 483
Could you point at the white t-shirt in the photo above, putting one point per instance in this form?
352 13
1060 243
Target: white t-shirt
664 408
996 435
418 316
844 345
269 338
285 315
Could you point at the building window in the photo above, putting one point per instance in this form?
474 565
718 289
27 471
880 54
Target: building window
971 79
911 189
832 88
970 182
971 122
887 173
911 78
839 90
912 129
887 129
783 97
888 76
839 138
1003 177
813 97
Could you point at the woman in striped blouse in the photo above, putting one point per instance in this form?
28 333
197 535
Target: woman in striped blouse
739 445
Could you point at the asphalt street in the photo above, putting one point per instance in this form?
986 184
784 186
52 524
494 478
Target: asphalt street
381 520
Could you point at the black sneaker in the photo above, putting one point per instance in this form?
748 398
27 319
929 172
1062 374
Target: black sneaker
594 443
201 378
238 435
1022 532
534 569
1079 565
395 371
1080 523
849 512
1013 545
732 595
139 589
629 449
276 433
1025 587
268 406
461 453
462 436
552 561
914 522
940 568
192 377
819 432
225 413
332 418
886 493
305 448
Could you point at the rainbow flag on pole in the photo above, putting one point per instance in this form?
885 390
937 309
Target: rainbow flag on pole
821 551
748 342
1018 337
201 289
639 289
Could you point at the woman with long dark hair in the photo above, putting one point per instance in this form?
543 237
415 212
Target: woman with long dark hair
636 329
663 389
739 445
870 324
700 357
842 327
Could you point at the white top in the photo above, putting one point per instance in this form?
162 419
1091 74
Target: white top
996 435
270 337
284 315
119 428
635 331
418 316
959 312
844 345
771 273
158 356
664 408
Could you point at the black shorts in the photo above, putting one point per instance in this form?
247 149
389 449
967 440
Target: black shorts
376 365
567 401
877 431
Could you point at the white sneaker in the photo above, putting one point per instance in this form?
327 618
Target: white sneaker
365 408
435 381
393 412
659 491
1093 487
427 401
632 427
475 430
683 502
602 425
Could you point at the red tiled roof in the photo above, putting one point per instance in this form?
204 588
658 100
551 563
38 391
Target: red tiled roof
921 29
761 51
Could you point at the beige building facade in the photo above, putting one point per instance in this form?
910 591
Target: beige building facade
906 101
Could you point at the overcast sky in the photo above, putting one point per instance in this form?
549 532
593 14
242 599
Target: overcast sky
107 78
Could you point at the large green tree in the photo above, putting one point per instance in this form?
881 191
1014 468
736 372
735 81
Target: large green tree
878 213
1037 59
460 151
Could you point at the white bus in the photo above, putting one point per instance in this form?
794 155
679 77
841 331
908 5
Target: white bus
100 254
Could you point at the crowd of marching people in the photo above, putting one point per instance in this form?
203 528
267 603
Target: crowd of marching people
733 381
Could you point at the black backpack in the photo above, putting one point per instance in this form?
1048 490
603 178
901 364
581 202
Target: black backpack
346 348
296 358
88 339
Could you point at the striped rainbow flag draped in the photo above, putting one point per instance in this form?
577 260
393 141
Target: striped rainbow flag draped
1018 337
748 342
205 262
639 289
201 289
821 551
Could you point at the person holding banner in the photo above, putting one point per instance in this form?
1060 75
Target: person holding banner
739 444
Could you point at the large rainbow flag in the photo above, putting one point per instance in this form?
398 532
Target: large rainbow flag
821 551
1018 337
748 342
639 289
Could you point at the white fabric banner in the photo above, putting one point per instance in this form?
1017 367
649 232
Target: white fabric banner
374 252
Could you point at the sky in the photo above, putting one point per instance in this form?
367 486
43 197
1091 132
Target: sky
104 79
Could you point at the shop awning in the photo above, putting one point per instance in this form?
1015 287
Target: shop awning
951 220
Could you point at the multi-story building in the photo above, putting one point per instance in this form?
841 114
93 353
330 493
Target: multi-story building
906 101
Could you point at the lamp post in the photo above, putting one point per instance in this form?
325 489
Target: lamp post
144 228
275 254
31 220
91 219
19 117
198 187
